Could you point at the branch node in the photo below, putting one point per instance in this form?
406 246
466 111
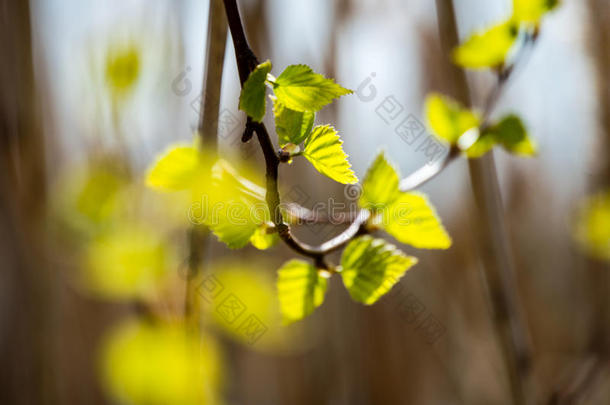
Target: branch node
320 263
284 155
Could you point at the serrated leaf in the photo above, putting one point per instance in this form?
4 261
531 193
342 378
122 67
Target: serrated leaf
301 289
592 226
532 11
323 149
371 267
252 99
380 185
175 169
447 119
300 89
262 239
292 126
487 49
234 230
411 219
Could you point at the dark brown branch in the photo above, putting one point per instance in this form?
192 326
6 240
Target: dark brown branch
246 62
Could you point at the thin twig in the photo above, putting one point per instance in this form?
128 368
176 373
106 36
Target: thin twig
300 215
428 172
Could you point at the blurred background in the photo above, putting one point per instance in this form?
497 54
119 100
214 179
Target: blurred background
94 265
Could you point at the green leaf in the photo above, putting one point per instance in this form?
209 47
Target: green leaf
448 120
411 219
592 226
91 198
512 135
244 306
301 289
123 68
175 170
262 239
371 267
323 149
380 185
292 126
159 363
252 98
228 183
128 262
235 206
300 89
234 230
482 145
487 49
532 11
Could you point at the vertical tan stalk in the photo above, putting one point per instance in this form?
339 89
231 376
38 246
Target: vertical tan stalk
493 242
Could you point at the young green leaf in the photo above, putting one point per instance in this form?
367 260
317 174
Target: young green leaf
252 98
301 289
447 119
512 135
127 262
487 49
371 267
300 89
159 363
228 183
380 185
123 68
235 206
323 149
234 230
532 11
411 219
292 126
231 206
482 145
262 239
175 170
